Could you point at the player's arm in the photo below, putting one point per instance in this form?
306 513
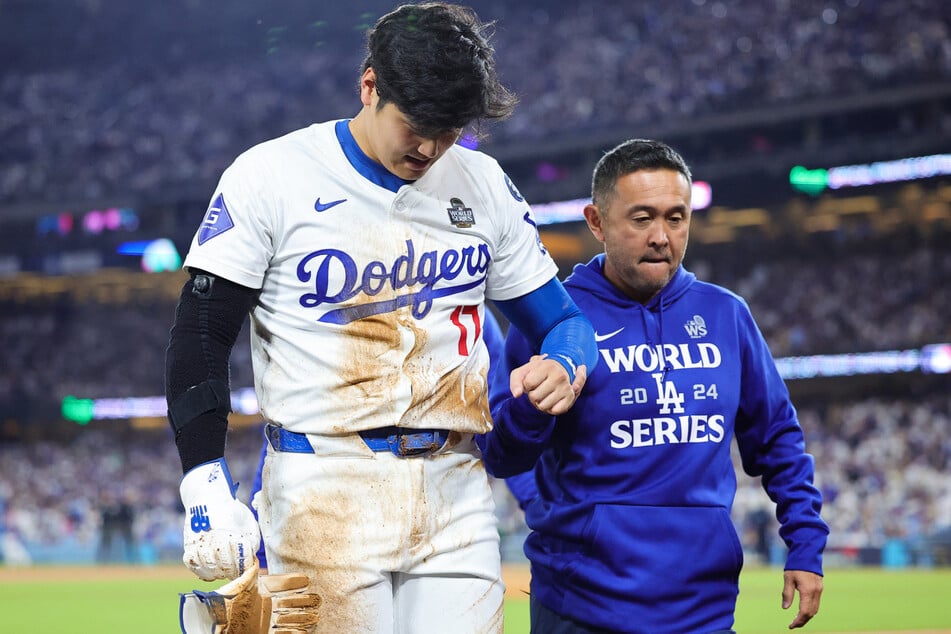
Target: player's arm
520 432
555 326
220 534
549 338
210 313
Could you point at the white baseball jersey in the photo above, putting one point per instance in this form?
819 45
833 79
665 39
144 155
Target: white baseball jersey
371 299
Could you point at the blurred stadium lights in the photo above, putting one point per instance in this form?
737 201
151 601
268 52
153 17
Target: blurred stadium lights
936 359
815 181
136 247
549 173
93 222
161 255
157 255
83 410
931 359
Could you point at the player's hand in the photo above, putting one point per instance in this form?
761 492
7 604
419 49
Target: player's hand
547 385
221 534
809 586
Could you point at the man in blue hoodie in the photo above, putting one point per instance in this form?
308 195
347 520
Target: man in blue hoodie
631 528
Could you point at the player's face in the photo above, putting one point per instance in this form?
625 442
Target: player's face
403 151
644 228
388 137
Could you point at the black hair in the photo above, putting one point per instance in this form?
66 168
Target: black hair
433 61
631 156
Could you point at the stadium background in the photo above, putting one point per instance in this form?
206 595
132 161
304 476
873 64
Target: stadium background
117 117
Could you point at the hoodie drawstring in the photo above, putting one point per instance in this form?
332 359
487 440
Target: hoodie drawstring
647 333
660 319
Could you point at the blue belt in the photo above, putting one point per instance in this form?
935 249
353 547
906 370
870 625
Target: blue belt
401 441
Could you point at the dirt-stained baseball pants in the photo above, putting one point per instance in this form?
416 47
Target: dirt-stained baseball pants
394 545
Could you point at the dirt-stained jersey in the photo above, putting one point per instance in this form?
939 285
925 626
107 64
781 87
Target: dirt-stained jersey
372 289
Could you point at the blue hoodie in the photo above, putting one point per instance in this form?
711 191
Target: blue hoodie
631 527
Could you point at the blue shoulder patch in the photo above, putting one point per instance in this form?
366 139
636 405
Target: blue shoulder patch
217 220
538 239
513 190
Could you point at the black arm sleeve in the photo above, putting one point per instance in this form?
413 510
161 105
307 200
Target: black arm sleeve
209 316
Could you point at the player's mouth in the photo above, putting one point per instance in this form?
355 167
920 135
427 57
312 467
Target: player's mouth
418 165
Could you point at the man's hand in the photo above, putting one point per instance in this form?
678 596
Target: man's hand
546 384
809 586
221 534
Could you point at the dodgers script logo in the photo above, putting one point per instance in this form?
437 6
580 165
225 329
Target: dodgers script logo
410 270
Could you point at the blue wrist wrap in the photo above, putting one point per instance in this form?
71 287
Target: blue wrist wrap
555 326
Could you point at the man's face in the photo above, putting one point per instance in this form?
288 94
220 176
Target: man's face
644 227
390 139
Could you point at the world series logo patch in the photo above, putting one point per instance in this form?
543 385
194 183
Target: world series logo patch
460 215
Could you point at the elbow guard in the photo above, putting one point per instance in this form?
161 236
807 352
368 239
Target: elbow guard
206 397
209 316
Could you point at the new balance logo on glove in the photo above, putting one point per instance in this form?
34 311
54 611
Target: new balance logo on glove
200 520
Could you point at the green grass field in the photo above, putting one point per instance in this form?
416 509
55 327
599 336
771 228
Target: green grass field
83 600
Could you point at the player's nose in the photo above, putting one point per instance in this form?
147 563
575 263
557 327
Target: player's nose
429 148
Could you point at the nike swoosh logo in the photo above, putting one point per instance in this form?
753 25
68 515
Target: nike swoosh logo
319 206
600 338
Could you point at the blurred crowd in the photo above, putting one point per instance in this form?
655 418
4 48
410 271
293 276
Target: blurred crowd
55 497
882 462
162 117
882 467
830 300
883 293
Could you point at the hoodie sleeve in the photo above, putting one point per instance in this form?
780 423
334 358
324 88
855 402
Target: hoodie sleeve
520 432
772 446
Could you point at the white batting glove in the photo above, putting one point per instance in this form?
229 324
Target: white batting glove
221 534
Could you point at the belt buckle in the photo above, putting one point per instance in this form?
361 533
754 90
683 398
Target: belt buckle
274 436
413 444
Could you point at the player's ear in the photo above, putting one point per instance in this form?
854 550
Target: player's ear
368 86
592 216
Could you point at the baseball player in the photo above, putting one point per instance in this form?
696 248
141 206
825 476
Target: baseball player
364 250
630 502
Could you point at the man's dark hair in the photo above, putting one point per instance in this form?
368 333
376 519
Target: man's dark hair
433 61
632 156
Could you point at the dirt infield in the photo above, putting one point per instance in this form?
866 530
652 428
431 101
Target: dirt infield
516 576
